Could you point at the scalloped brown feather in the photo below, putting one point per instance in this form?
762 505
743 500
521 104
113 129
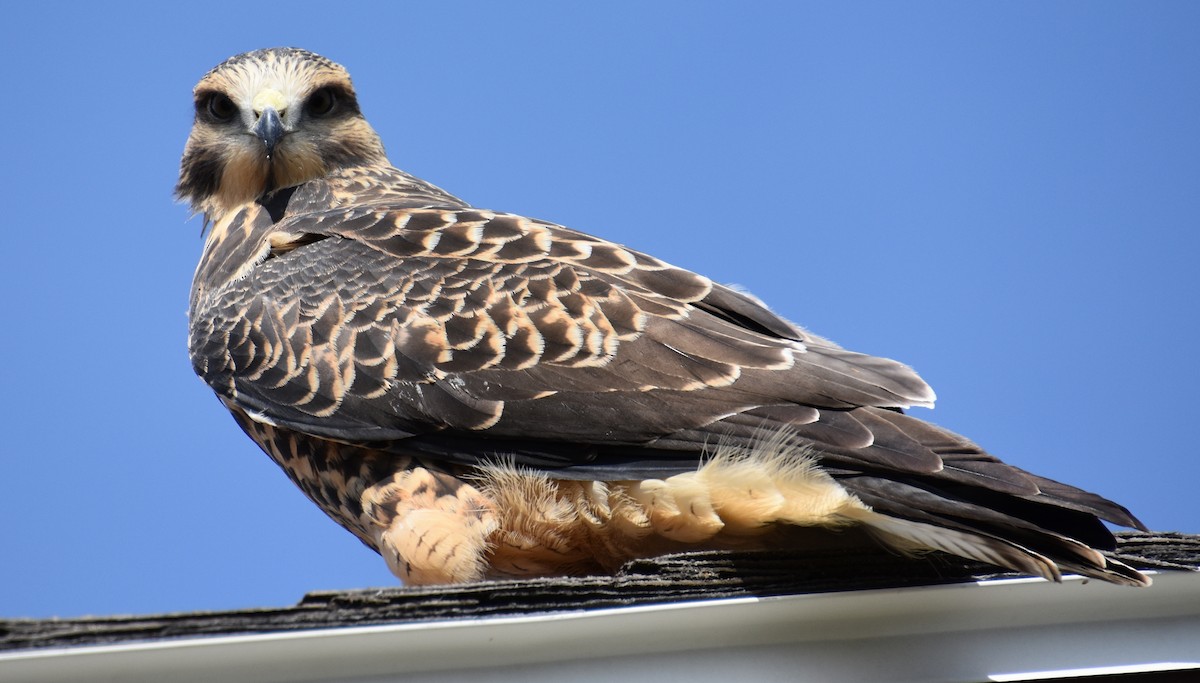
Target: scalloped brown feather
387 344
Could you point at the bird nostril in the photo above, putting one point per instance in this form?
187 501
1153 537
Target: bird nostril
269 129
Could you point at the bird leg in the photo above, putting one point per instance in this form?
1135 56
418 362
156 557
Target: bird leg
429 526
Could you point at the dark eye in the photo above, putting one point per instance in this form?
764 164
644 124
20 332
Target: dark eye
218 107
321 103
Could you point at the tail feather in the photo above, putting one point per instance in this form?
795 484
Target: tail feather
914 538
1061 553
1043 530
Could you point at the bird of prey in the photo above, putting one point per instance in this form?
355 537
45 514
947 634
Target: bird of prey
478 394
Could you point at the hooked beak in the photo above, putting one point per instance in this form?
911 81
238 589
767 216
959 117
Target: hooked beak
269 129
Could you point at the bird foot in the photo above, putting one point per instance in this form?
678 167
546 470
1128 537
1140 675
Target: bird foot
430 527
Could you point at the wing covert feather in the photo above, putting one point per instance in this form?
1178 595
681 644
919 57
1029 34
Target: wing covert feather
379 323
387 344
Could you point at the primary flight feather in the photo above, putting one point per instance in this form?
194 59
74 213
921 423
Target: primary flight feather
479 394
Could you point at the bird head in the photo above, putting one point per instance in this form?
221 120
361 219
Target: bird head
267 120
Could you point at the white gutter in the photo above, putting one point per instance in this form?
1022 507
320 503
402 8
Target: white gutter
991 630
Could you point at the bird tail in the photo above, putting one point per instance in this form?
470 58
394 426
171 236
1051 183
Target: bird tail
915 538
974 507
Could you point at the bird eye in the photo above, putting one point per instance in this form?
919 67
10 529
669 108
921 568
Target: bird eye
220 108
321 103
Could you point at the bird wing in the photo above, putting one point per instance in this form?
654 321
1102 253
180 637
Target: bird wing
471 335
375 322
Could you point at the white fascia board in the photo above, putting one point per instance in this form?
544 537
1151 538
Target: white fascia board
957 632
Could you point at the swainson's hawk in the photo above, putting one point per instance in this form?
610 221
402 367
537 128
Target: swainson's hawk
479 394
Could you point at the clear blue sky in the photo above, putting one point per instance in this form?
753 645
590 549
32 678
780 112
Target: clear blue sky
1004 195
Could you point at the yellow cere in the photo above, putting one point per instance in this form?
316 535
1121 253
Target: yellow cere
269 98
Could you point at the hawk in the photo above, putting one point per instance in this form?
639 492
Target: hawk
479 394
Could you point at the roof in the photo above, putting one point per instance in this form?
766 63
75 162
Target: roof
693 613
